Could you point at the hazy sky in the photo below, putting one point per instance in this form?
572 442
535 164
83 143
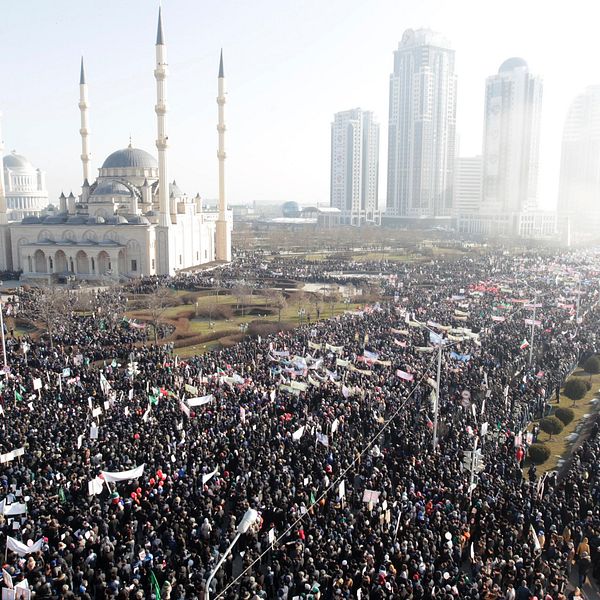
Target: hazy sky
289 64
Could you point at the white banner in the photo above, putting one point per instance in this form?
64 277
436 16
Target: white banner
123 475
23 549
199 401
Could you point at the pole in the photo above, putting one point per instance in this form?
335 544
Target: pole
214 571
532 329
437 398
3 340
578 300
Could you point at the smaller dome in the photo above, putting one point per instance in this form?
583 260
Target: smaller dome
137 220
16 161
111 187
76 220
116 220
30 220
511 64
95 221
55 219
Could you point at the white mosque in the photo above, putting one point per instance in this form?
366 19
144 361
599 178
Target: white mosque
131 221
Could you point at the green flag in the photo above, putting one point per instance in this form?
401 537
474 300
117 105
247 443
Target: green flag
18 396
102 325
61 495
154 585
153 399
312 498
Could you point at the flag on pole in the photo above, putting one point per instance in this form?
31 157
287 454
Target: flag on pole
154 585
18 396
524 344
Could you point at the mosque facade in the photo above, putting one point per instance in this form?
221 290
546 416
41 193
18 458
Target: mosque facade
131 221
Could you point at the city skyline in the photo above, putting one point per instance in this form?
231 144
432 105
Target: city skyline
269 79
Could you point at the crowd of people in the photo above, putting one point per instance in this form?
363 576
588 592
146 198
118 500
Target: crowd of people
136 472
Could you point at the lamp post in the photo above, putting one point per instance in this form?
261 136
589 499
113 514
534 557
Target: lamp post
247 520
3 340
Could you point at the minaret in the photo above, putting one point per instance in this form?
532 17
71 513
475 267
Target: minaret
160 74
223 249
84 131
3 214
6 262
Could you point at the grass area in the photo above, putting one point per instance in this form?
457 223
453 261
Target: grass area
559 447
388 256
226 318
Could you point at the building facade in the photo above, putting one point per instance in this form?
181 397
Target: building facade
468 176
131 221
422 128
511 138
579 186
355 167
24 186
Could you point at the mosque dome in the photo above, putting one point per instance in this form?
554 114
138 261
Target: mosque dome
111 188
17 161
511 64
128 158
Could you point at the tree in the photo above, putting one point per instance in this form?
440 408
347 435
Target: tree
158 302
592 365
332 299
551 426
241 292
51 305
566 415
278 301
575 389
538 453
316 299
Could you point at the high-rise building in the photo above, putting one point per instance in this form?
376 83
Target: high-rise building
579 187
511 138
422 128
355 166
467 184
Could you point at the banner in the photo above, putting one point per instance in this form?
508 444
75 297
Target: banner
323 439
200 401
10 510
184 408
341 363
111 477
95 486
298 433
191 389
206 478
23 549
404 375
335 349
314 346
299 385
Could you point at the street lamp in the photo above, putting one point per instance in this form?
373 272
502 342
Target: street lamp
247 520
3 340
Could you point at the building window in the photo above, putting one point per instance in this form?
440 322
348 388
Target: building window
51 263
205 254
134 265
93 264
152 264
180 259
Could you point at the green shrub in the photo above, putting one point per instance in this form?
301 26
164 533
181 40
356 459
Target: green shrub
592 365
565 415
551 426
575 388
538 453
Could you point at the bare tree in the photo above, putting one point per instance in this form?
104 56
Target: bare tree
278 301
53 306
332 299
158 302
316 299
241 293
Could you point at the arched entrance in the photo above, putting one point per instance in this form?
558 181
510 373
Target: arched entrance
103 262
122 262
82 262
60 262
39 261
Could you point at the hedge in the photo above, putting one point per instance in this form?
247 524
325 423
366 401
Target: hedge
575 388
592 365
551 426
538 453
566 415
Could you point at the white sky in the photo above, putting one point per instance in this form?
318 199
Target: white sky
289 65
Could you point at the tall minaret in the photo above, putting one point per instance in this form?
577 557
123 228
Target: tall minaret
160 74
3 215
223 249
84 131
6 261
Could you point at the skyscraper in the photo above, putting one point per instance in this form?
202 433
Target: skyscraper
422 127
511 137
355 166
579 187
467 185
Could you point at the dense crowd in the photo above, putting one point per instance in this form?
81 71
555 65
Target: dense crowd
327 432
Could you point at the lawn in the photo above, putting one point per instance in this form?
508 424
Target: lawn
559 446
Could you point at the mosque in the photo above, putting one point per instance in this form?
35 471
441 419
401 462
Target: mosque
131 221
25 187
